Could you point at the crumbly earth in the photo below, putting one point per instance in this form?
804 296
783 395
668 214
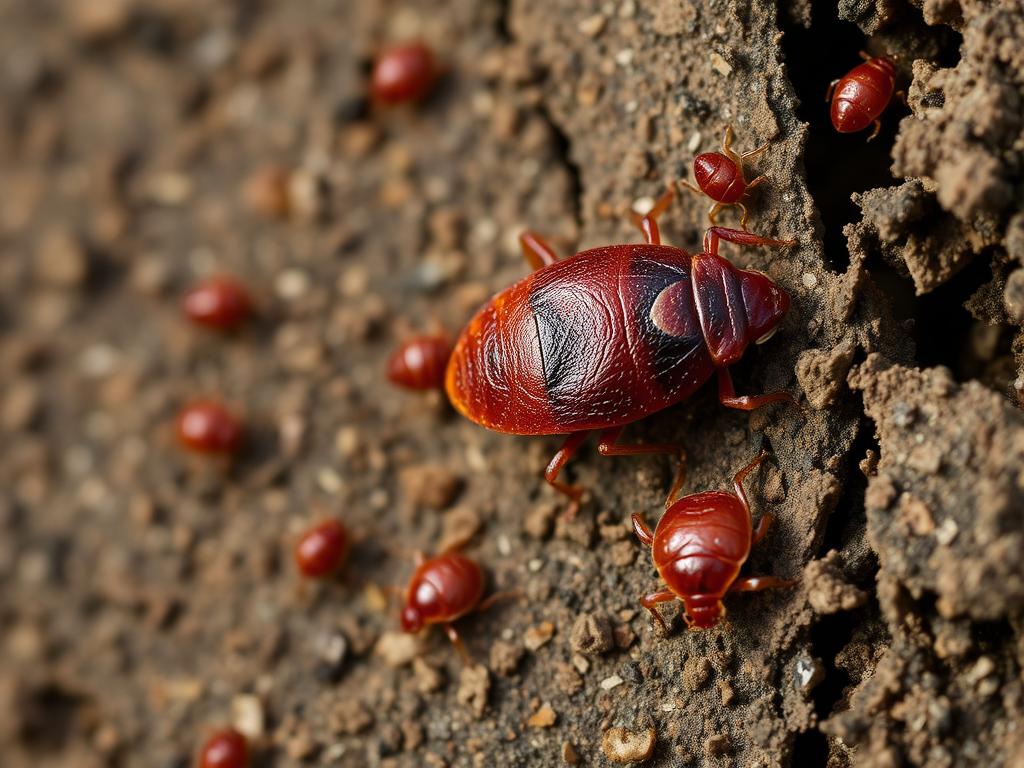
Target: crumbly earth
149 597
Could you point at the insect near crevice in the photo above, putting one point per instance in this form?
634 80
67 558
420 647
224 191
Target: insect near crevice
698 547
611 335
862 94
719 175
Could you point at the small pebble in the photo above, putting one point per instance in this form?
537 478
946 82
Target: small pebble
544 717
538 635
591 634
397 649
247 715
611 682
623 746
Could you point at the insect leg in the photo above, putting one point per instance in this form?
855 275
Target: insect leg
757 583
574 492
878 127
491 600
713 213
608 445
727 145
642 530
536 250
742 495
831 87
648 223
762 526
727 395
691 187
651 601
453 635
714 234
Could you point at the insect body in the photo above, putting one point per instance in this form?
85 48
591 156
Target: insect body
698 547
218 302
860 96
443 589
206 426
403 73
611 335
321 550
420 363
719 175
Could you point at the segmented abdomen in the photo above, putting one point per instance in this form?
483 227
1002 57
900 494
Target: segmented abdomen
600 339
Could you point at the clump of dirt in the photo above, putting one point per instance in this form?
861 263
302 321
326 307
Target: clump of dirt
149 597
944 517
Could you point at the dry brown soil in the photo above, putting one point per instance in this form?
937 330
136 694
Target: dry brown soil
149 597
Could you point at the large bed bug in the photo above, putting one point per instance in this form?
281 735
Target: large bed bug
862 94
700 544
611 335
719 175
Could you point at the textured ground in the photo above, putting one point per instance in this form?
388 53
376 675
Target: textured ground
148 597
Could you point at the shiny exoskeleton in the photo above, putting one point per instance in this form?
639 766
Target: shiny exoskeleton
700 544
609 336
861 96
420 363
719 175
442 590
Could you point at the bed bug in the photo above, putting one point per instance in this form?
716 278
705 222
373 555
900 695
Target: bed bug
206 426
226 748
698 547
609 336
321 550
443 589
403 73
220 302
420 363
862 94
719 175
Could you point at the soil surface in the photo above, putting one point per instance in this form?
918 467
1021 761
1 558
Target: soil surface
150 597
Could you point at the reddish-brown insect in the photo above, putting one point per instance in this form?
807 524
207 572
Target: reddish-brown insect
206 426
225 749
860 96
719 175
420 363
609 336
321 550
443 589
403 73
699 545
219 302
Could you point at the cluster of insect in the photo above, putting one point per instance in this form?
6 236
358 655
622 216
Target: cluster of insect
545 356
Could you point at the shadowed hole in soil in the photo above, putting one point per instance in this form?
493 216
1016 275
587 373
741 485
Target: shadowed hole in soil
837 164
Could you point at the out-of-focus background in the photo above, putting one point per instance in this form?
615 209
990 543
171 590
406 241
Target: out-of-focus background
150 596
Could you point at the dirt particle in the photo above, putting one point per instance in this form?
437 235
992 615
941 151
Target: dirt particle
505 658
827 589
61 260
474 687
591 634
567 678
460 525
428 678
569 754
726 692
696 672
21 405
538 521
623 746
720 64
822 372
247 716
613 681
265 192
349 716
397 648
623 553
717 745
545 717
539 635
430 485
594 25
624 636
